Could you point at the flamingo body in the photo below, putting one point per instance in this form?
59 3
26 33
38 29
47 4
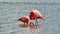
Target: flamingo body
24 19
35 14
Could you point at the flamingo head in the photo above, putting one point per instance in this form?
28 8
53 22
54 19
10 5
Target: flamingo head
42 18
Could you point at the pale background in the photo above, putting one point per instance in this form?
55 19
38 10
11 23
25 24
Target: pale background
10 10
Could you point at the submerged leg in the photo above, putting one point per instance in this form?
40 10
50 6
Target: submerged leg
36 22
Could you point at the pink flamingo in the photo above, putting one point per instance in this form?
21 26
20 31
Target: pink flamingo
34 15
24 19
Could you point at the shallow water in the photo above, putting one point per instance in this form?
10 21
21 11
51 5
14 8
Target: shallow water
10 12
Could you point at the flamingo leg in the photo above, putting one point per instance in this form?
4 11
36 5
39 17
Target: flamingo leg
36 22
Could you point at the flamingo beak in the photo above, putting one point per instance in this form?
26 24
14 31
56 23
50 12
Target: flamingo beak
42 18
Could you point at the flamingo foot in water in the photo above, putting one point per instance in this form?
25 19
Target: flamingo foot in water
36 22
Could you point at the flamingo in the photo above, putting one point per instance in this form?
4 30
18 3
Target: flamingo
34 15
24 19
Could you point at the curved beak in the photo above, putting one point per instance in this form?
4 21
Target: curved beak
42 18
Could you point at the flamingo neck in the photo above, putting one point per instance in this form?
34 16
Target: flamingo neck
42 18
26 23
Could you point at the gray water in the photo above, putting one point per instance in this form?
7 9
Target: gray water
11 11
